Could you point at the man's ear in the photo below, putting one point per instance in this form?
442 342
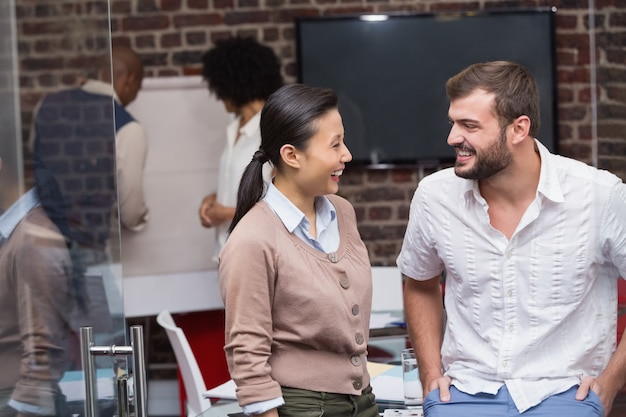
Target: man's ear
521 127
290 156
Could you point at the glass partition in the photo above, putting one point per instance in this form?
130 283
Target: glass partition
59 249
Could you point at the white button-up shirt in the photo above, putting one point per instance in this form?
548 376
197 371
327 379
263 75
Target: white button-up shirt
536 312
241 144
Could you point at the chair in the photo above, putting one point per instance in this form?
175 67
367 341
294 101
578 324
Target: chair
187 364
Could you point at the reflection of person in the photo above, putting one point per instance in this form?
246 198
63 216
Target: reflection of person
532 245
294 274
131 145
242 74
80 121
36 299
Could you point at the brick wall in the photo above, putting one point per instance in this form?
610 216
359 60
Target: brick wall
59 42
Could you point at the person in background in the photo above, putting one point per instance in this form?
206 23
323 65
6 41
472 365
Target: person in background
294 273
532 245
118 140
36 299
131 144
242 74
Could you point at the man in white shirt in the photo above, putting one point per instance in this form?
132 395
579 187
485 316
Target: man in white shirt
532 245
89 130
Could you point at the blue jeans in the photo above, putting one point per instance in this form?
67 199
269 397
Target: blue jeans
501 405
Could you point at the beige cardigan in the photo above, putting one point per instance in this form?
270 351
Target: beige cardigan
295 316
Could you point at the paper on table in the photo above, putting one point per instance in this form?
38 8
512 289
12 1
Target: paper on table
388 385
375 368
380 320
225 391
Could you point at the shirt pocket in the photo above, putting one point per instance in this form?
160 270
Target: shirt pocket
559 274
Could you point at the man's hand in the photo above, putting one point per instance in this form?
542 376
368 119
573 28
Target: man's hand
443 384
205 207
591 384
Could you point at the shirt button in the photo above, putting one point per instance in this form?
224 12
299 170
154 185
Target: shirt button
356 360
510 293
357 384
508 254
359 338
355 309
344 282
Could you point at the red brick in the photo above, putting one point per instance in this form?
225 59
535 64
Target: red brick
223 4
38 64
190 20
145 41
195 38
270 34
43 28
565 21
572 113
243 17
169 40
576 41
379 213
120 7
198 4
617 20
248 33
147 6
171 5
97 8
248 3
144 23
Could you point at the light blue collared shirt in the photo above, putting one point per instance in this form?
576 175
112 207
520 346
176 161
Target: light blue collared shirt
296 222
10 218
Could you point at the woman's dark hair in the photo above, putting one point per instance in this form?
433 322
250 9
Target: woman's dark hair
241 70
288 118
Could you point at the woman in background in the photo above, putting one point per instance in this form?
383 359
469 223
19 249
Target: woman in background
242 74
294 274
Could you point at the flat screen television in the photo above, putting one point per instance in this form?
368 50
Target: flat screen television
390 71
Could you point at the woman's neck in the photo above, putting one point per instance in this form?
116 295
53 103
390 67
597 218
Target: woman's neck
248 110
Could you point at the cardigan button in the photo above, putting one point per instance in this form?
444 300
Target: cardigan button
359 338
356 360
357 384
333 257
344 282
355 309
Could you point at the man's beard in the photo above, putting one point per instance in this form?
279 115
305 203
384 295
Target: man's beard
493 160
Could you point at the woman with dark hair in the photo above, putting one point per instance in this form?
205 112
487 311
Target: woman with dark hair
294 274
242 74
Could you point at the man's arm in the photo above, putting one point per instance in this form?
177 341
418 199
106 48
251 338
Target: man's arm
131 150
423 307
609 382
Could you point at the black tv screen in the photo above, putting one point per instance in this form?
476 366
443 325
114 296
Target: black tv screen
390 71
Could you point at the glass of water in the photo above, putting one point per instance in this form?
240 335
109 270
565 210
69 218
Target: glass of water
413 391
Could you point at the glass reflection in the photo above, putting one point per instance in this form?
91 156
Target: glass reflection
58 208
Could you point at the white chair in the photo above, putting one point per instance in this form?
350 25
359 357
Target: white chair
189 369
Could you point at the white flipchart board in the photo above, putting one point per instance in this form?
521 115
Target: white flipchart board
169 264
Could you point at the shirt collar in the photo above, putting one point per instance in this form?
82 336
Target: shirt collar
10 218
290 215
100 87
252 125
549 185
